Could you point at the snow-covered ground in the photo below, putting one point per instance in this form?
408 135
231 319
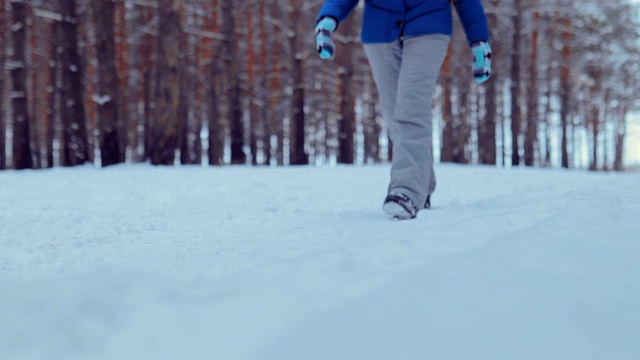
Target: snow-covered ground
136 262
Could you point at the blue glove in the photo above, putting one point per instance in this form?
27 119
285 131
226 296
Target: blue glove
325 45
481 61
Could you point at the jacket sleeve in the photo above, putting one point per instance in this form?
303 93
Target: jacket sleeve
337 9
474 20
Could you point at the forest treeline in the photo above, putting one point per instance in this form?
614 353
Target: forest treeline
239 82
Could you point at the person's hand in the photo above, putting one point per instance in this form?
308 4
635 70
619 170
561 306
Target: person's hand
481 61
325 45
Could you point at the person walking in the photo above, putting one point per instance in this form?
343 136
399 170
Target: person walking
406 43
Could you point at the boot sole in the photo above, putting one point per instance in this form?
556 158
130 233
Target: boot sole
396 211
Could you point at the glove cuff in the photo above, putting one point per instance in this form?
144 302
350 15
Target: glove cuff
328 24
479 42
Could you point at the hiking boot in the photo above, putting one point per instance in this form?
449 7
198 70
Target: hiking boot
399 206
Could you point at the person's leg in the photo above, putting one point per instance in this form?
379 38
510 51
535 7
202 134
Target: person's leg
412 166
385 61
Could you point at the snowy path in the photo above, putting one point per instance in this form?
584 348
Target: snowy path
138 263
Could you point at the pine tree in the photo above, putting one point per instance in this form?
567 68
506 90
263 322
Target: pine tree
18 69
108 96
72 106
3 28
164 135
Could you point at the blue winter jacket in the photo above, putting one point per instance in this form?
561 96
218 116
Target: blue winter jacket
386 20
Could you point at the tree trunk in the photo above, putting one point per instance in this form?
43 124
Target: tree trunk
35 83
448 137
618 163
18 69
347 117
108 96
74 149
216 128
548 112
122 66
605 145
185 130
595 133
146 63
74 145
487 126
232 85
165 133
238 156
194 97
565 89
516 112
503 126
147 115
253 89
532 98
594 117
298 155
551 74
199 77
462 133
52 93
547 147
188 87
605 116
264 135
3 28
370 123
280 138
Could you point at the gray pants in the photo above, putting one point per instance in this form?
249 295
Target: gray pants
406 72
